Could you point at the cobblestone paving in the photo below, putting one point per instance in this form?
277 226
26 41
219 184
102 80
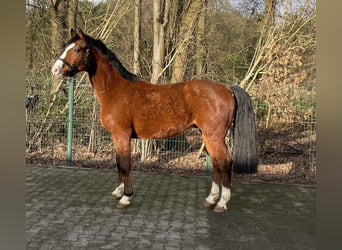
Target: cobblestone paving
73 209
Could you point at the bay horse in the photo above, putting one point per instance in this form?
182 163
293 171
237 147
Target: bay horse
133 108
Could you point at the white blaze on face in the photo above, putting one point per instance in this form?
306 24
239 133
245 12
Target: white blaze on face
57 67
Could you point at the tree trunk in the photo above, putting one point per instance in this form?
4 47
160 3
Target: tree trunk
269 12
201 50
185 34
265 43
160 20
72 14
137 29
137 144
57 10
201 47
58 24
191 11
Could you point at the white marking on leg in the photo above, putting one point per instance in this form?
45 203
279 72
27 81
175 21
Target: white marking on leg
225 197
214 193
125 200
118 192
57 67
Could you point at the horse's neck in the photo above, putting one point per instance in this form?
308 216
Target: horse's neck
106 79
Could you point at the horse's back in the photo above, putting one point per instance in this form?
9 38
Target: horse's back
202 94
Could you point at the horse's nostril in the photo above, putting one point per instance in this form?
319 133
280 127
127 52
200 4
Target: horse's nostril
55 70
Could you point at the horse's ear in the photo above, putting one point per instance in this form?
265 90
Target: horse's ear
72 32
81 34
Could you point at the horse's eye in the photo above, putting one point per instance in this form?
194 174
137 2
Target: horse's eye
76 49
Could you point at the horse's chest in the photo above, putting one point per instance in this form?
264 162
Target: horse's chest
108 120
112 120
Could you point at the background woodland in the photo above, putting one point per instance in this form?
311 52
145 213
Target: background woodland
266 46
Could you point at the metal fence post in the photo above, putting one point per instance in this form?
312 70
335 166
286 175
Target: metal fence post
207 164
70 118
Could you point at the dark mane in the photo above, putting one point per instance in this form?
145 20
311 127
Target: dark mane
111 57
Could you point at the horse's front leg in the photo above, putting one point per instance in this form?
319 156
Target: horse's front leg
124 191
119 190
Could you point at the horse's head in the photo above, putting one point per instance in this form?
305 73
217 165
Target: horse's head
75 58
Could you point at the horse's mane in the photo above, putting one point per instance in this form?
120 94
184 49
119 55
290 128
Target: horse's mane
111 57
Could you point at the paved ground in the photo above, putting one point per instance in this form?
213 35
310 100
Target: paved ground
72 209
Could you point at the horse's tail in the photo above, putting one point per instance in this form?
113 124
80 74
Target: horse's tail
245 139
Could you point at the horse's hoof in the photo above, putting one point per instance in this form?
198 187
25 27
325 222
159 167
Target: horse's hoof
220 209
208 204
116 197
122 205
124 202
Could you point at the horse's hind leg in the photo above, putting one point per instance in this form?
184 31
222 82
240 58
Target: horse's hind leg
222 164
124 191
226 169
215 186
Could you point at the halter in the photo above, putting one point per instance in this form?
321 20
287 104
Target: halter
75 66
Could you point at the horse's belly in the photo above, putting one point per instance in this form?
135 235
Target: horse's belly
157 130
